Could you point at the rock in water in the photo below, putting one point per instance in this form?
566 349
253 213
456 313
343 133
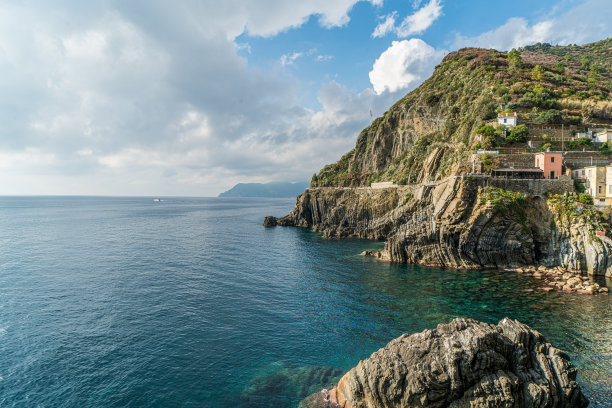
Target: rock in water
270 221
465 363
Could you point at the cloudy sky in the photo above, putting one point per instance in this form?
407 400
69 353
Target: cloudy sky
153 97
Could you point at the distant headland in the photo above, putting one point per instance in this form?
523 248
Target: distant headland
269 190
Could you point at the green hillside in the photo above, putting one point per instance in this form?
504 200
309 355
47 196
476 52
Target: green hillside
434 126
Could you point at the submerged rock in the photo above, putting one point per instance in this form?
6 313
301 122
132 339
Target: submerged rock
465 363
280 385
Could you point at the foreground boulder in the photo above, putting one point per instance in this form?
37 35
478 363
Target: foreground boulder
465 363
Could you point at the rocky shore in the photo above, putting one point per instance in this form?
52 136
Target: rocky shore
563 280
460 223
555 278
465 363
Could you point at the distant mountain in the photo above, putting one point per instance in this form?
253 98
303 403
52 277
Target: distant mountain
271 190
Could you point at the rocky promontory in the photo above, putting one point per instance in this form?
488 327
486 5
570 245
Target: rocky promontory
465 363
462 222
420 177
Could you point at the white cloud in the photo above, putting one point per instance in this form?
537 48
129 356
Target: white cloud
586 22
288 59
385 26
141 98
404 65
515 32
415 23
421 20
271 17
323 58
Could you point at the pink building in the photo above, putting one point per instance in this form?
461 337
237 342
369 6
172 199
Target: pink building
551 163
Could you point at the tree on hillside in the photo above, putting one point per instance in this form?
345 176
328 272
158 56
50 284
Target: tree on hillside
489 136
514 59
537 73
586 61
560 67
518 134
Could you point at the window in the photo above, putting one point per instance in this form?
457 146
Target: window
505 120
599 190
583 172
552 159
609 189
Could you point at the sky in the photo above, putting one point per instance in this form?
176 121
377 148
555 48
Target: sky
161 98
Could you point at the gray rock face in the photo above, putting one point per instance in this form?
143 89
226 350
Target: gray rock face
270 221
465 363
446 224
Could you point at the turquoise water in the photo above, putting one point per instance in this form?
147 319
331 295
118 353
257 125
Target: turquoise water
126 302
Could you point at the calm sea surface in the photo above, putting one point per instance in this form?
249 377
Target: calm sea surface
127 302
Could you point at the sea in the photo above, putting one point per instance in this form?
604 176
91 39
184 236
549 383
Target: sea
191 302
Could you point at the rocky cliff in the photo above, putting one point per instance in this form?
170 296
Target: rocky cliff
424 143
461 364
463 222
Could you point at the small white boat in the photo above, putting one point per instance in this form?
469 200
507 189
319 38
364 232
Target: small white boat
157 199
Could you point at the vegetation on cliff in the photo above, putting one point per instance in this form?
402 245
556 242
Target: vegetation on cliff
430 133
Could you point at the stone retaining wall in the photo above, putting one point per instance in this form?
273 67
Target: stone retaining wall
530 187
517 160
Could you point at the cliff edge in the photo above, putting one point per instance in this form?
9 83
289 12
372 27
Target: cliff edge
437 210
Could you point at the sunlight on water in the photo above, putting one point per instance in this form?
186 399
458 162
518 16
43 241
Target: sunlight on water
190 302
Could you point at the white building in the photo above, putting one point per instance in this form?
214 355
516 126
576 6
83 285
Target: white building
595 182
608 185
507 119
597 135
602 135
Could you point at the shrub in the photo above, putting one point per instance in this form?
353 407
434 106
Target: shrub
486 130
537 73
545 147
505 99
488 161
584 141
586 61
507 202
585 198
518 134
550 116
539 97
502 90
560 67
518 88
489 136
580 188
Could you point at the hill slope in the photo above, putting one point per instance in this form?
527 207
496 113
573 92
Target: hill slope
467 89
424 143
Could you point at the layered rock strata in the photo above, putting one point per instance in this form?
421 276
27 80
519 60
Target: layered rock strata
447 223
465 363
